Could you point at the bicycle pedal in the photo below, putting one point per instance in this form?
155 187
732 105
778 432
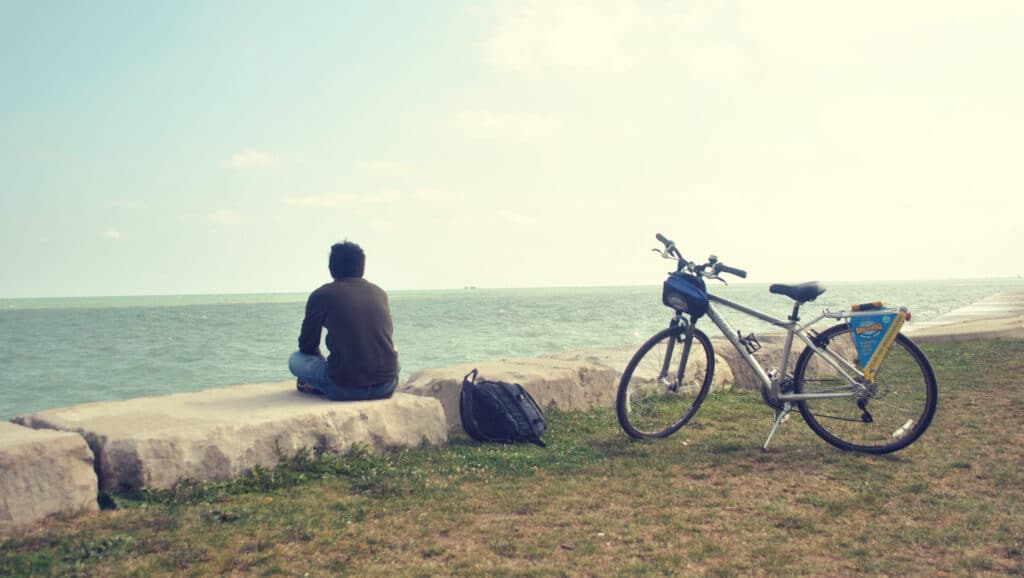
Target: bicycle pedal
750 342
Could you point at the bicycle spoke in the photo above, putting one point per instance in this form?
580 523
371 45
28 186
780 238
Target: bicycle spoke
661 388
895 410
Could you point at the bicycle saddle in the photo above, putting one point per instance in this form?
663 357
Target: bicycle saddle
802 293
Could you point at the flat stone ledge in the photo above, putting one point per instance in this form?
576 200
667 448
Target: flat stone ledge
43 473
769 356
568 385
218 434
572 380
617 358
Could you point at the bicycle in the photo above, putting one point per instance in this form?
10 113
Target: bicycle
860 385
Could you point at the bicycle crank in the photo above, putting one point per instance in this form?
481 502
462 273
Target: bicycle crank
785 386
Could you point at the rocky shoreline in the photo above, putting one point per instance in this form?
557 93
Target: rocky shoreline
55 462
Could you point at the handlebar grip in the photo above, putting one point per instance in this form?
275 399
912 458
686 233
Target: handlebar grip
665 241
733 271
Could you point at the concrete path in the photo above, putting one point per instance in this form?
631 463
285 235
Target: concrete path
997 317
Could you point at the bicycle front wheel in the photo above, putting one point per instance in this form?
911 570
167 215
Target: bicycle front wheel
888 415
665 383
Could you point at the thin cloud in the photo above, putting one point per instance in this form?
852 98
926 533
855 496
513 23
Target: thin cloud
461 223
318 201
382 226
250 159
386 196
49 157
715 64
112 234
126 204
487 124
430 195
538 36
518 219
383 168
221 217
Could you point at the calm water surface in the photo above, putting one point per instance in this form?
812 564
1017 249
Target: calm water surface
61 352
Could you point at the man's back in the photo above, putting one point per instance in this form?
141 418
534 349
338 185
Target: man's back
359 332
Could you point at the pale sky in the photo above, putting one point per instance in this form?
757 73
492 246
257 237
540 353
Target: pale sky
222 147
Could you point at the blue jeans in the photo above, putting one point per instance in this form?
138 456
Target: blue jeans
312 370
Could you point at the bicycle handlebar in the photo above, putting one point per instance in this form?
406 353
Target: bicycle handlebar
713 264
732 271
670 246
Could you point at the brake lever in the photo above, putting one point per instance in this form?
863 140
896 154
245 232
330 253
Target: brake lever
716 277
665 254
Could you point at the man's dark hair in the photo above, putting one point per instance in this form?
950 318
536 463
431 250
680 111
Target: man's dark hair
347 260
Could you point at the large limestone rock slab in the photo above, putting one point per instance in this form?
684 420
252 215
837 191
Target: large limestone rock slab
223 433
43 473
731 370
769 356
572 380
617 358
569 385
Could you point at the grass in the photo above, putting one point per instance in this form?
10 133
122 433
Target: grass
705 501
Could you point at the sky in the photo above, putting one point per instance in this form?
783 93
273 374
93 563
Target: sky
183 147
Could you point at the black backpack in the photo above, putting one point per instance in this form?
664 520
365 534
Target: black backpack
496 411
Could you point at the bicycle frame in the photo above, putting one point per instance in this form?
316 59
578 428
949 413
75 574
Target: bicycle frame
793 328
854 377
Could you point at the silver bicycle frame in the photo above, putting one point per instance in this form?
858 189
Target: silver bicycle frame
792 328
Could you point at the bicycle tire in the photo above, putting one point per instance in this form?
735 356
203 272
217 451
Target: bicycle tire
647 405
894 415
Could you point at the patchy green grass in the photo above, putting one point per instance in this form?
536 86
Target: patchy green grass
704 501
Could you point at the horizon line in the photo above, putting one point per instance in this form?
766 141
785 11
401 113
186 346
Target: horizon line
475 288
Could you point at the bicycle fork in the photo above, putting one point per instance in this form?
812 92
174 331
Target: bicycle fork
674 385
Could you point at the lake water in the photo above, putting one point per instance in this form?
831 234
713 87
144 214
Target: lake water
61 352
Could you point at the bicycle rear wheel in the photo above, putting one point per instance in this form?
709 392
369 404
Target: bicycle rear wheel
896 409
665 383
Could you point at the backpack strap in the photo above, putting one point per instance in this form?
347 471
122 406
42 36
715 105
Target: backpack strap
466 397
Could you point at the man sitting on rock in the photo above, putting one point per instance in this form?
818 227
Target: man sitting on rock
362 363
